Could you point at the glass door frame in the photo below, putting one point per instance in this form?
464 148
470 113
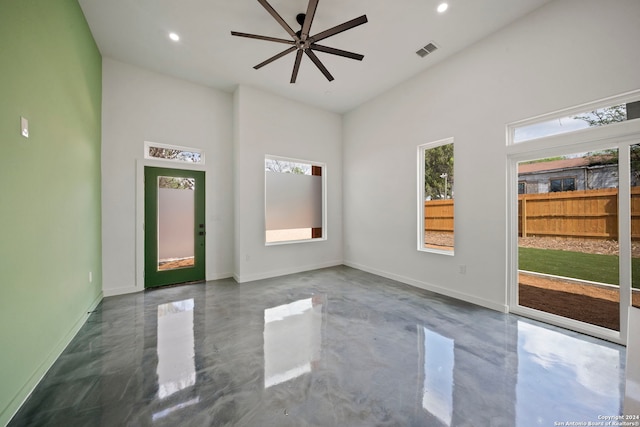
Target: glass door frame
620 136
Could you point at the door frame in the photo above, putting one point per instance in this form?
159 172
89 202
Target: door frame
140 206
622 136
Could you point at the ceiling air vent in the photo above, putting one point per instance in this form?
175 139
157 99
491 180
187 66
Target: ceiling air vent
430 48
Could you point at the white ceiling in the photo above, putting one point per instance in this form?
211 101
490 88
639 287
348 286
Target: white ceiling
136 32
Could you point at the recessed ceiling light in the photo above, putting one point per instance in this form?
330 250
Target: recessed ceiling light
442 7
174 37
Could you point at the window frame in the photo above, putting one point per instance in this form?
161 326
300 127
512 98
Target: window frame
421 149
620 135
323 176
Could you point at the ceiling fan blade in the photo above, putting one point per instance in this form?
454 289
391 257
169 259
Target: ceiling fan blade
316 61
311 11
267 38
339 52
340 28
278 18
296 66
273 58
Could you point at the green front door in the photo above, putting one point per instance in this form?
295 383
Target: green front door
174 224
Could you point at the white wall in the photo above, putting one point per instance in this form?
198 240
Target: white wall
566 53
138 106
267 124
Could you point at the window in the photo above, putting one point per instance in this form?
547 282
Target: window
561 184
294 200
602 113
522 189
172 153
436 188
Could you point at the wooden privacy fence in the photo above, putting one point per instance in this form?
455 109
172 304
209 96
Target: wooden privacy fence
590 214
438 215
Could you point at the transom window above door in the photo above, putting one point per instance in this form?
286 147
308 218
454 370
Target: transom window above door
173 153
605 112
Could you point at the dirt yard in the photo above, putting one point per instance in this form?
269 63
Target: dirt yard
591 246
583 302
173 264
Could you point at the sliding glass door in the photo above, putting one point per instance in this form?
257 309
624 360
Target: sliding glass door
568 237
575 233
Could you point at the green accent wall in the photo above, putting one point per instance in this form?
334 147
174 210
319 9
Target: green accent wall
50 225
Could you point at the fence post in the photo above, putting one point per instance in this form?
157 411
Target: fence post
523 212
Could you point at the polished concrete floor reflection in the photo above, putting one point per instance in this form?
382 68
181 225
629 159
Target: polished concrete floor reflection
332 347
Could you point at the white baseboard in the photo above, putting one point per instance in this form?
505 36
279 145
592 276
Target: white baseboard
503 308
124 290
219 276
110 292
8 412
284 272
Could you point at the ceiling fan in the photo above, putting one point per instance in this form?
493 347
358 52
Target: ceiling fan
304 43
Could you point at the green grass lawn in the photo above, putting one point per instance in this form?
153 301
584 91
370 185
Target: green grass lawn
593 267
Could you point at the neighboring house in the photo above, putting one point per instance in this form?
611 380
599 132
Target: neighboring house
582 173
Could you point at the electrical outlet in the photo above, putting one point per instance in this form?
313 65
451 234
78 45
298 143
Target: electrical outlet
462 269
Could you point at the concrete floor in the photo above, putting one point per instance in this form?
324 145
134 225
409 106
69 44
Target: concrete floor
332 347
